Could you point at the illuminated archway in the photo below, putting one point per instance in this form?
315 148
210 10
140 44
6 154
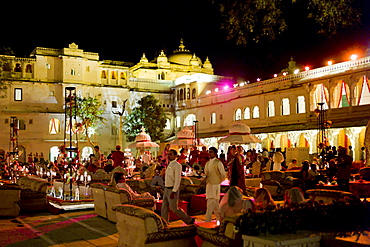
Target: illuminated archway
189 120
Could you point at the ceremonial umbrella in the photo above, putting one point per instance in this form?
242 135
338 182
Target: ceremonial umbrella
185 137
239 133
143 141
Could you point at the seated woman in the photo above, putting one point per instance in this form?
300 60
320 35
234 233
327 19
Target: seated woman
121 183
293 197
233 202
263 199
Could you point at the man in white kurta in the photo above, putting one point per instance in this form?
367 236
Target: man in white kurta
215 174
277 158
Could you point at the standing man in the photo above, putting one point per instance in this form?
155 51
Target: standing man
215 174
344 163
171 190
118 156
97 159
277 158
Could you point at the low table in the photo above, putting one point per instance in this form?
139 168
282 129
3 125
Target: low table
198 203
327 187
182 204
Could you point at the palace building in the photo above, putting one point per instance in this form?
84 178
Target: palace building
281 111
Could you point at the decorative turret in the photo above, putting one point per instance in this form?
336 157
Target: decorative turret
194 61
143 59
292 67
207 64
162 58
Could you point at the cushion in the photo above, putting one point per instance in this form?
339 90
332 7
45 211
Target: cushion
171 233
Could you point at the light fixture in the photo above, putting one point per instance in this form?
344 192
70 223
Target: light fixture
296 71
330 62
306 68
258 79
275 75
353 57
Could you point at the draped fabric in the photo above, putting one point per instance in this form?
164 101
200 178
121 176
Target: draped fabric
361 89
346 88
339 97
321 95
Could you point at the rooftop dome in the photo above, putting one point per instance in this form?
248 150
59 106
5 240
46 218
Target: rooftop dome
143 137
239 128
182 56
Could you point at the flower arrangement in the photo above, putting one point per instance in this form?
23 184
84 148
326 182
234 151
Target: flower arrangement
317 111
345 217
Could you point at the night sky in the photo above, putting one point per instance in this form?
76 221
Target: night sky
123 31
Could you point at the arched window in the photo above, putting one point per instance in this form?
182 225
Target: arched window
285 107
123 75
113 75
193 93
301 104
168 124
181 94
341 97
54 126
247 113
104 74
189 120
18 68
178 122
28 68
271 109
238 114
362 91
256 112
178 95
213 118
320 95
188 93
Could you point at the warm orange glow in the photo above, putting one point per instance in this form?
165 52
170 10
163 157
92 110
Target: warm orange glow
330 62
284 73
353 57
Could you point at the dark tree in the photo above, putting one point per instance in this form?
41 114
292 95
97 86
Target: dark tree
149 115
253 20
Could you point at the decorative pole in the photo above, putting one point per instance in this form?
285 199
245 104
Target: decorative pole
70 115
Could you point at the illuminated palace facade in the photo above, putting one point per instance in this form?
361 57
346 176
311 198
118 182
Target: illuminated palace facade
280 111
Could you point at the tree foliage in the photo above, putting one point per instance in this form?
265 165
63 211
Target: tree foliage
246 20
4 84
88 115
150 115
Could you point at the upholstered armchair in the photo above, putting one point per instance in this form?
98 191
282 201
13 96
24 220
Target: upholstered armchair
112 196
188 188
140 227
10 195
223 235
277 182
33 193
365 173
142 186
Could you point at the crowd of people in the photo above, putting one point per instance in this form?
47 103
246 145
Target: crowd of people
212 166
